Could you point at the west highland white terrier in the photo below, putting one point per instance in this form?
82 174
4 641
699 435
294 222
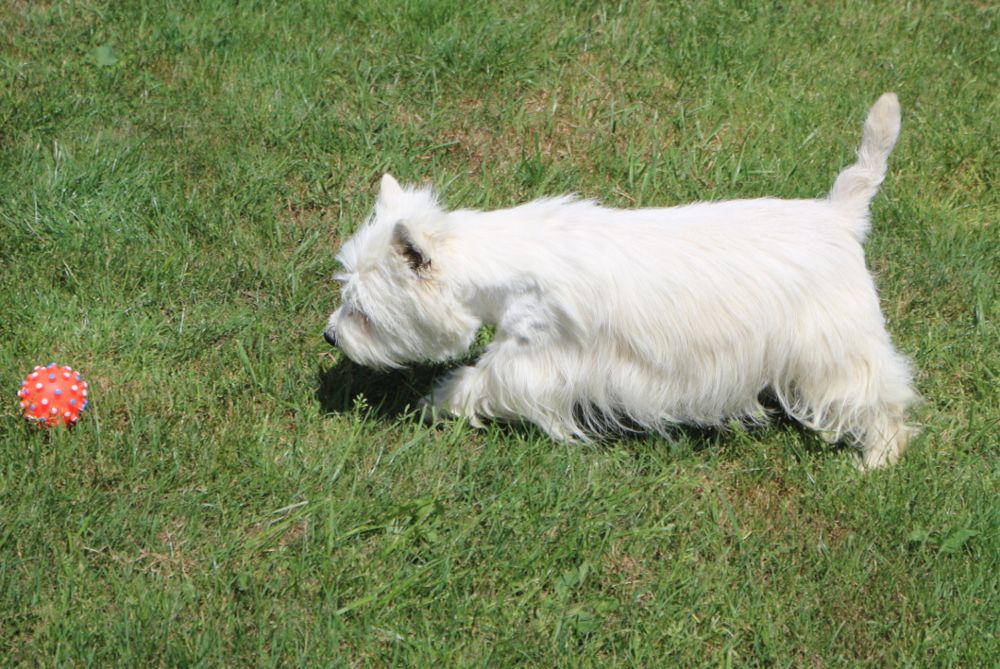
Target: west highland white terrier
638 319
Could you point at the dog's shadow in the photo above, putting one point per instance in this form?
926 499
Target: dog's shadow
386 394
390 395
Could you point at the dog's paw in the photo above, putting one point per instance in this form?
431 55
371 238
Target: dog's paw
428 412
433 413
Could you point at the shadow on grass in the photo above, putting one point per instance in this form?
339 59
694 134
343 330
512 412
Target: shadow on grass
391 394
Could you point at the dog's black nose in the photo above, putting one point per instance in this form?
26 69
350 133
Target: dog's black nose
330 335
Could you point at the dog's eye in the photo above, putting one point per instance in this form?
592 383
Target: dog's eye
360 315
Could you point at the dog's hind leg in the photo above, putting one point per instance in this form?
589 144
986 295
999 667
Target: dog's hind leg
877 422
864 394
883 438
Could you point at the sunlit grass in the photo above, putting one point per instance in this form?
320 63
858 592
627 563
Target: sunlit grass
173 183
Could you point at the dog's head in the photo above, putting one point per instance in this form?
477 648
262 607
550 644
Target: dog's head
399 303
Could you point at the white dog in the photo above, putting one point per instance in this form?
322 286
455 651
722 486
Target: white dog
606 318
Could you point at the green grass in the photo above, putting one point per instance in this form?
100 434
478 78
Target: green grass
173 184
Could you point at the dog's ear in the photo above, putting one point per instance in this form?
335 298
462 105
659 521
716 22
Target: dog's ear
413 252
389 190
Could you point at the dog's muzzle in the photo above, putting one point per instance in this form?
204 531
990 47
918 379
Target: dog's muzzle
330 335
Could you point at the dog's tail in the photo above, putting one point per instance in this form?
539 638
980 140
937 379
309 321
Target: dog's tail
857 185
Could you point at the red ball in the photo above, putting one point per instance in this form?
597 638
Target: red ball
53 395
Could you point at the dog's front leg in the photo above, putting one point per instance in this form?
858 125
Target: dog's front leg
507 384
458 394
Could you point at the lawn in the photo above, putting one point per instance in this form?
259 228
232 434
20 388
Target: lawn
174 180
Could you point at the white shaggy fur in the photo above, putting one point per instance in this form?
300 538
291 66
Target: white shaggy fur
645 318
